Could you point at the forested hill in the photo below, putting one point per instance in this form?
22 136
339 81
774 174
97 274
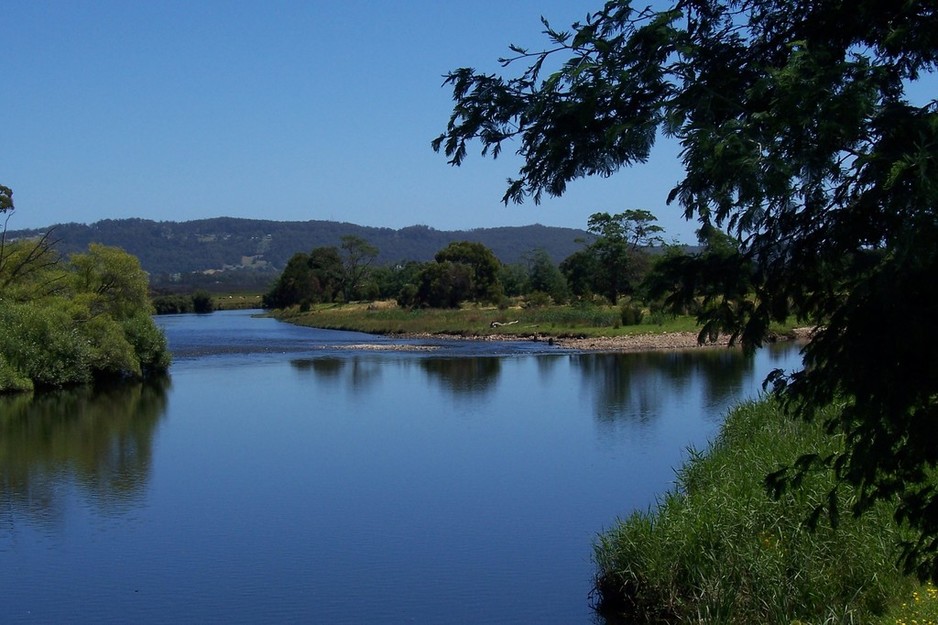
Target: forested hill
168 248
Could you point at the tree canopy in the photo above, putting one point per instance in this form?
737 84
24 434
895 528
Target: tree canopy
74 322
799 139
483 264
6 199
617 260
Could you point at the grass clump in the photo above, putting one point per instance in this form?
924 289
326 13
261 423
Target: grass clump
719 549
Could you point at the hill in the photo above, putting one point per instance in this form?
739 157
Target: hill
249 252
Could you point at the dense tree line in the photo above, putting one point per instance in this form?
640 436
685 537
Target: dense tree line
73 321
613 264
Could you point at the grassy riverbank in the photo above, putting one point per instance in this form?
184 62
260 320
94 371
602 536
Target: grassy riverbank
589 320
718 549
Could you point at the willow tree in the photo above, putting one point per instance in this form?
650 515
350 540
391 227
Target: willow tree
799 138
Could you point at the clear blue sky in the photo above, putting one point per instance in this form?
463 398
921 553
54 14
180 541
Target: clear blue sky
178 110
286 110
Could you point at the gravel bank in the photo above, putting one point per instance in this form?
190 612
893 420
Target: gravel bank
633 343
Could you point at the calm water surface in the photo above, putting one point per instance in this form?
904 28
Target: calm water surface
281 477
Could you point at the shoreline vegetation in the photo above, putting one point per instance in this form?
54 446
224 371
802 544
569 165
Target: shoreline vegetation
718 548
595 328
74 322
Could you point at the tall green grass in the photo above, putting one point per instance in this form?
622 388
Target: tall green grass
567 320
719 549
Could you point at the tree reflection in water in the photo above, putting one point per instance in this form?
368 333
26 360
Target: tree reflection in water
98 440
635 386
360 372
467 375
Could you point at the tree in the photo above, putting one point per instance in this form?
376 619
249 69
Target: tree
514 279
484 265
617 259
6 199
112 280
202 303
443 284
329 272
544 276
798 138
618 249
708 280
22 260
359 255
95 324
580 268
295 285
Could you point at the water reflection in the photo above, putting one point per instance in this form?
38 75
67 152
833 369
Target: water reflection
322 367
466 375
359 372
100 440
637 386
461 376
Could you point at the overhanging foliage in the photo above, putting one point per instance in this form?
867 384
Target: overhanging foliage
798 139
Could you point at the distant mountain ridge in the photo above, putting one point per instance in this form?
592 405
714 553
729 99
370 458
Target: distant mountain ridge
167 248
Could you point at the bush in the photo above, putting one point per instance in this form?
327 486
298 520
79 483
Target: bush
149 343
537 299
41 343
407 298
631 315
202 303
11 380
172 304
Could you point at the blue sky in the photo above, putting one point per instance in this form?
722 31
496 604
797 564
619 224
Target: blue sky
286 110
178 110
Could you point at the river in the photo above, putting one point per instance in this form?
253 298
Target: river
278 475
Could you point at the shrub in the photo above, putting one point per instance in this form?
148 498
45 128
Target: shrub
202 303
537 299
172 304
631 315
40 342
11 380
149 343
407 298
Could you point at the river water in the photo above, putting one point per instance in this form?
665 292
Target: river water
280 476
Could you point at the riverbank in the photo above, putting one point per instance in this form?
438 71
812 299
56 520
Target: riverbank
620 343
583 328
719 548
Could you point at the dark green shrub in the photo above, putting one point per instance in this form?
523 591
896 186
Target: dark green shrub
202 303
407 298
172 304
